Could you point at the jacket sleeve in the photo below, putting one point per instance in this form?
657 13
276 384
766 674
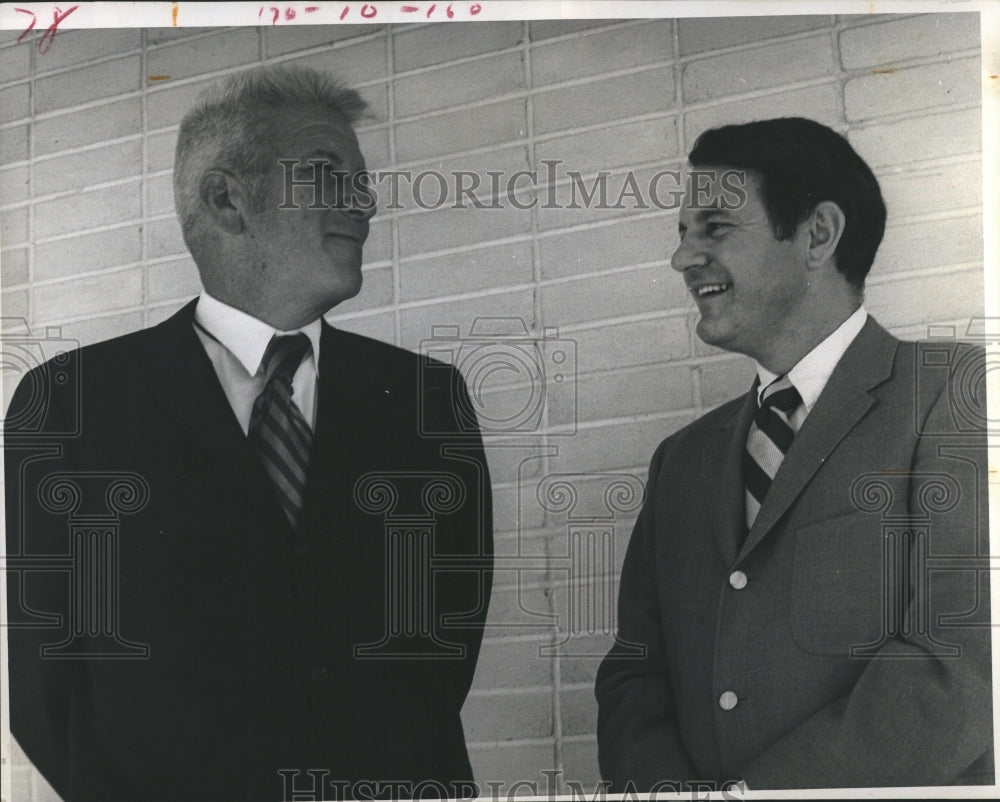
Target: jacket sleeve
462 592
638 740
920 712
42 689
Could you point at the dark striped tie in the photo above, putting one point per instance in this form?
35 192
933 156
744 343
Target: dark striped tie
770 437
277 429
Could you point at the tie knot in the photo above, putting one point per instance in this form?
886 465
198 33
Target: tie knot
284 354
782 395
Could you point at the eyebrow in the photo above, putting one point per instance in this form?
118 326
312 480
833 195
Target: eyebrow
703 214
320 153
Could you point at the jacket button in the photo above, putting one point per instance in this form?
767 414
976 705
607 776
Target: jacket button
319 674
738 580
302 549
728 700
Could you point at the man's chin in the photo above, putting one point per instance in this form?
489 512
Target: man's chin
355 285
711 332
718 334
348 289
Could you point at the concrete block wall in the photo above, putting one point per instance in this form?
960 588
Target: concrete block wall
90 244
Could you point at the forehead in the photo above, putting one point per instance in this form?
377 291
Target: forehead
720 189
304 129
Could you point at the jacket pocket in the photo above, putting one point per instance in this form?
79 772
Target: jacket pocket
841 599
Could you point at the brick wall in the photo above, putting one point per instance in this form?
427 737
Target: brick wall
90 244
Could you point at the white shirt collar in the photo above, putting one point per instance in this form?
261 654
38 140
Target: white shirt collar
812 372
245 336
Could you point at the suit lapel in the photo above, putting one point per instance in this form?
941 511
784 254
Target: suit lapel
346 398
183 381
722 478
844 401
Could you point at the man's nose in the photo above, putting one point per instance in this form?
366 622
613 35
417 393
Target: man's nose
689 253
363 209
362 205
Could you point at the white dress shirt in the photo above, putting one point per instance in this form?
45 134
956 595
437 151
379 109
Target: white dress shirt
812 372
235 343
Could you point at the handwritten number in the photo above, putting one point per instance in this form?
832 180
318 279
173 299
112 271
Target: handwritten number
58 15
368 11
27 30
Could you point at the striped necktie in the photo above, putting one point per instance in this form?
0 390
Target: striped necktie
770 437
277 431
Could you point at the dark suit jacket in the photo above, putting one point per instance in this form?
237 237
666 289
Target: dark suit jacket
854 662
251 632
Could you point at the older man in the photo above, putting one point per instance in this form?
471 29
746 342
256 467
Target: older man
781 620
271 616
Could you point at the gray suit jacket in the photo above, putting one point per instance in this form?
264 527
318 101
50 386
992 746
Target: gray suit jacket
858 649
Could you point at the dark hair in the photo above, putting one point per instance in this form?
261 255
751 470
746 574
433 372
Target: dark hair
801 163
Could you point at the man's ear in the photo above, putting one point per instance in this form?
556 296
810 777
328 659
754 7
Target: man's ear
226 200
825 228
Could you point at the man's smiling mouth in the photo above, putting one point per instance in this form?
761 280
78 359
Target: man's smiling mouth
706 290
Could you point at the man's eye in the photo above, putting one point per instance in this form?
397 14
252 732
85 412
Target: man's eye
717 228
305 171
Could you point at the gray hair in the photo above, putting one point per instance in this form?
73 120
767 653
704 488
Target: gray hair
233 124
